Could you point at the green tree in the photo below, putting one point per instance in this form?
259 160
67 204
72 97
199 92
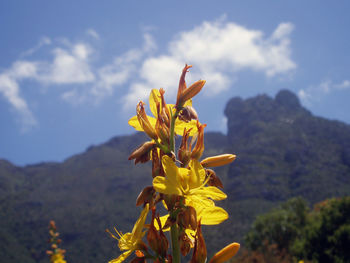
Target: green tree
283 226
327 236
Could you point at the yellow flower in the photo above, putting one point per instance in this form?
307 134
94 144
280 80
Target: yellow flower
131 241
191 184
57 258
154 98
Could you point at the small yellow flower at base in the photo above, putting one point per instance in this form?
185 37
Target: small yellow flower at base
57 258
226 253
131 241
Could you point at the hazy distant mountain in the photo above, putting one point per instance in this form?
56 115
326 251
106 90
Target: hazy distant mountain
283 151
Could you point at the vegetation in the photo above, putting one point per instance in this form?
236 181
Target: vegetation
294 233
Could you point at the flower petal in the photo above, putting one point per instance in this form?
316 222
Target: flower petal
163 185
212 215
163 219
209 192
172 172
134 122
122 257
154 97
137 230
196 175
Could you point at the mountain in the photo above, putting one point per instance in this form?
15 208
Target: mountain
283 151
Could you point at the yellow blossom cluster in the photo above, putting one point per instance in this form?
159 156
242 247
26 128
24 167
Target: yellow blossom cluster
56 254
182 183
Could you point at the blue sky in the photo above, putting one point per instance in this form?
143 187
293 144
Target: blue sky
71 72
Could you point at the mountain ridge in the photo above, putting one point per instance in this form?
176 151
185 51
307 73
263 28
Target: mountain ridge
282 151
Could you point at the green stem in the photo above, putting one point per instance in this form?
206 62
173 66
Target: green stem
175 243
172 130
162 147
174 229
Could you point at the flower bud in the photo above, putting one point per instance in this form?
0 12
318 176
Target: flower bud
162 130
185 243
138 259
139 253
218 160
188 113
191 91
163 241
182 85
144 122
214 180
184 153
152 235
165 113
200 250
142 153
199 148
226 253
188 218
52 225
184 93
146 196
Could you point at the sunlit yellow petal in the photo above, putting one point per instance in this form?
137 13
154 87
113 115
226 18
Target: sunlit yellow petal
210 192
212 215
163 219
198 202
122 257
154 97
181 125
196 175
134 122
171 171
163 185
137 230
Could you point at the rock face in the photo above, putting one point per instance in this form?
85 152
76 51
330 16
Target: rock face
283 151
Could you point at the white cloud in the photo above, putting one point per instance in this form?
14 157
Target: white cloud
69 66
10 90
91 32
44 41
342 86
113 75
315 93
218 50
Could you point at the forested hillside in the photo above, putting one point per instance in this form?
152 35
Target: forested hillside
282 151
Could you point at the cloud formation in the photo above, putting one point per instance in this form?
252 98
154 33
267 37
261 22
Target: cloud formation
219 50
315 93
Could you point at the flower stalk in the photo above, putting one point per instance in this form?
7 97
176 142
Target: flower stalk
185 186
